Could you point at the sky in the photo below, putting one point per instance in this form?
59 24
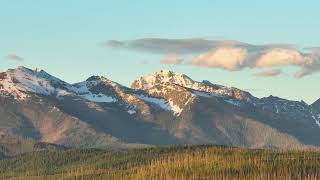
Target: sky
264 47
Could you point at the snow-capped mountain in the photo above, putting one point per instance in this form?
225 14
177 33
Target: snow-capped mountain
161 108
199 88
179 90
20 83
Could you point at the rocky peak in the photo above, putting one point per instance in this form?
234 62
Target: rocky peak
37 73
278 100
208 83
22 81
97 78
168 77
292 109
162 77
165 78
272 98
44 74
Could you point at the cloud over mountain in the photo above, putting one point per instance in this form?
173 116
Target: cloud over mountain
234 58
228 55
231 58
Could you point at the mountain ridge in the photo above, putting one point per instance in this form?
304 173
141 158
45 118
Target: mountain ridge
43 73
161 108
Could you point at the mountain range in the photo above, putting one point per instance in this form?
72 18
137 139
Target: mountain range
158 109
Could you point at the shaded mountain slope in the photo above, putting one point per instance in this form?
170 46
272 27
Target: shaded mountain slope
161 108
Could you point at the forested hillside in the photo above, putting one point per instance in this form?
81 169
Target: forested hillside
177 162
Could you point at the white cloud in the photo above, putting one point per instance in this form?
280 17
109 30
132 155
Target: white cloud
235 58
281 56
231 58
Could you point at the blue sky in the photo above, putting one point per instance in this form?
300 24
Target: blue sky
66 38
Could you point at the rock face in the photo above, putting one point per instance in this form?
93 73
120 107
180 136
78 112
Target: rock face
162 108
316 106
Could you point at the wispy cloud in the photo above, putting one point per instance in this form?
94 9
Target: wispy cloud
14 57
228 55
269 73
171 59
179 46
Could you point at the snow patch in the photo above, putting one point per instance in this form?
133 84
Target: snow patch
160 102
277 109
233 102
98 98
131 111
166 105
83 87
317 122
82 90
176 109
199 93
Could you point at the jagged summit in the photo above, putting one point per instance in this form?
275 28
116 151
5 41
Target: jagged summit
161 77
165 77
97 78
28 70
22 81
37 72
